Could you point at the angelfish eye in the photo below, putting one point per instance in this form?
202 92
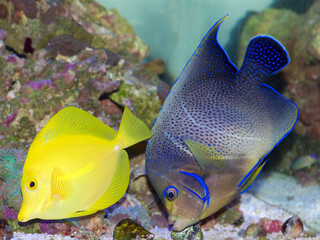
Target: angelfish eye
171 193
32 184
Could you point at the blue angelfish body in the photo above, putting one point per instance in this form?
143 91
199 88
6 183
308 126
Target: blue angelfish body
215 128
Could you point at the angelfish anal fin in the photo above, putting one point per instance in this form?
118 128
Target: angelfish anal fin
206 156
61 187
247 181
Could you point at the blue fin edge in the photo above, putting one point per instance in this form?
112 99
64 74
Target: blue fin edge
197 49
254 179
206 198
283 48
250 172
290 130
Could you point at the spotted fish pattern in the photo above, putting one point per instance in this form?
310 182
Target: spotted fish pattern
219 123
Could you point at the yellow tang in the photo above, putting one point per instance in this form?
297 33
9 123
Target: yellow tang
76 165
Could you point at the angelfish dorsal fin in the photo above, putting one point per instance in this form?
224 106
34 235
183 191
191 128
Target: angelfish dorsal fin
247 181
206 156
209 62
61 187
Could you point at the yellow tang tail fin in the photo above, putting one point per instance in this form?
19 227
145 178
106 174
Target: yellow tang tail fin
132 130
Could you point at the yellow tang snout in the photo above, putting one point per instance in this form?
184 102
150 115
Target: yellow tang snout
25 213
34 198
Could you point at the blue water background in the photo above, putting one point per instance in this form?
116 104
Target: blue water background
174 28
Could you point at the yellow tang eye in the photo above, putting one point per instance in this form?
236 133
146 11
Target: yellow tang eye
32 184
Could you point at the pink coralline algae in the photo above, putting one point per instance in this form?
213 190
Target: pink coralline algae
52 227
38 85
18 62
270 226
9 119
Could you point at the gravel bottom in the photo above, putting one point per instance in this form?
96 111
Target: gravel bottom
274 189
284 192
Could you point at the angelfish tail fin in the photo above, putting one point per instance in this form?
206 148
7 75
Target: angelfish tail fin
264 56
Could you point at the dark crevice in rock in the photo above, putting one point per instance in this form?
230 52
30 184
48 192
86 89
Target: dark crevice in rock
105 96
28 46
11 49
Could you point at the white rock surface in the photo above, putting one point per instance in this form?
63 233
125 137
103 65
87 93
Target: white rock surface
284 192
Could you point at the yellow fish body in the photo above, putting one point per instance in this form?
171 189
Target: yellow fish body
76 165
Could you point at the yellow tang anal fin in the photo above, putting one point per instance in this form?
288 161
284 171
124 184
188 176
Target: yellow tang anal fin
245 186
118 185
205 155
82 213
61 187
132 130
71 121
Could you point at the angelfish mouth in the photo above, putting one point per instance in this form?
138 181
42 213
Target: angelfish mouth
176 225
171 222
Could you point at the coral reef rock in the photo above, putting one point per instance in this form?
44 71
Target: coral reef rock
190 233
292 228
129 207
128 229
255 231
5 230
32 24
85 59
11 163
230 214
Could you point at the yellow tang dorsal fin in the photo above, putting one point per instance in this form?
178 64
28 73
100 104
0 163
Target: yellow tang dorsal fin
206 156
116 189
132 130
71 121
61 187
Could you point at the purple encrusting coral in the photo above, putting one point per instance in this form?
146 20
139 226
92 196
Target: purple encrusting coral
38 85
10 214
70 66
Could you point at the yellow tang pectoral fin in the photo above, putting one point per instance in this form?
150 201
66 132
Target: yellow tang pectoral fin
245 184
116 189
61 188
206 156
132 130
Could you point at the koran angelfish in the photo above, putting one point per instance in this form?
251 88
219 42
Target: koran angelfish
216 127
76 165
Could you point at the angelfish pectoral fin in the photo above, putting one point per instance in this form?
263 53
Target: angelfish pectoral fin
247 181
206 156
